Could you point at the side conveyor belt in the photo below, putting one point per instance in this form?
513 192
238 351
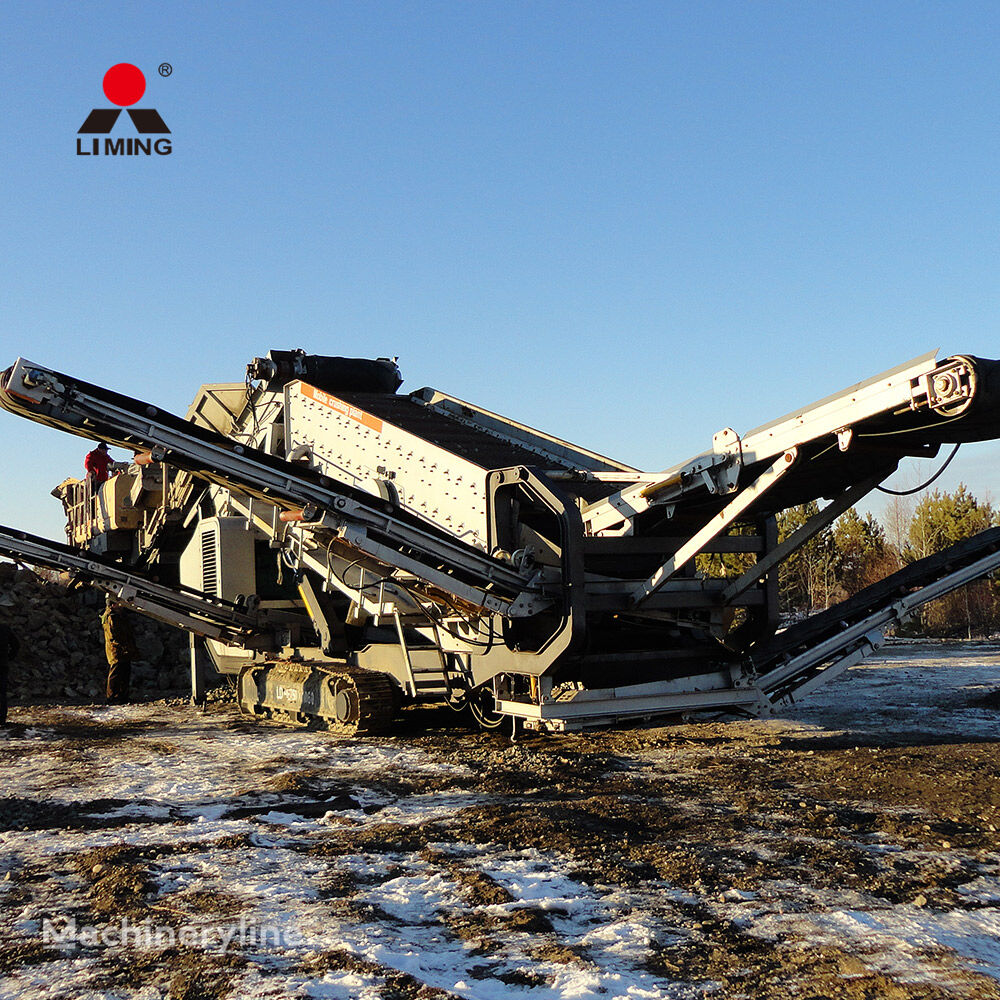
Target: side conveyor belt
183 607
796 657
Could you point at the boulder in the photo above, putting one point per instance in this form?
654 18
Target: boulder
62 643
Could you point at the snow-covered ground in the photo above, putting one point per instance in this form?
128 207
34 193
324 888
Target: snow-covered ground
912 687
289 850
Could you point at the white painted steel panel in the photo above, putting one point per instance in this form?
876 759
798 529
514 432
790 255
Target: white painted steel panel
351 445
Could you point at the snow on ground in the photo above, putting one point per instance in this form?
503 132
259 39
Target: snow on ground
186 780
234 846
911 687
906 689
894 940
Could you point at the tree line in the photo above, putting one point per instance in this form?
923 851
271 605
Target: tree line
857 550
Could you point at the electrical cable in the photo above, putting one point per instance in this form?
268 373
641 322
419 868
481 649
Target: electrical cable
695 507
437 622
911 430
480 716
923 486
434 620
820 454
468 701
250 390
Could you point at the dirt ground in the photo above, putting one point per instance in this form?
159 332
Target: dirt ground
847 849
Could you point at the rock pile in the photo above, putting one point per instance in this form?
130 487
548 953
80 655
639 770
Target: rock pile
62 643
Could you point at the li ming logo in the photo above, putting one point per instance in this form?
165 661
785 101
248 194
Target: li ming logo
124 85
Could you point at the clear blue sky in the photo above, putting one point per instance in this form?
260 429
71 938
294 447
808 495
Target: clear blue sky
629 224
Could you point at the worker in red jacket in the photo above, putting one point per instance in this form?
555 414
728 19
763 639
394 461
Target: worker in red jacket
97 462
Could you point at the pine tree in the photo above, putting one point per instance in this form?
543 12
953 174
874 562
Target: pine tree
939 520
863 555
807 578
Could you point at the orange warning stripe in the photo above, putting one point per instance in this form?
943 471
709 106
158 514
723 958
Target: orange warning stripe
353 412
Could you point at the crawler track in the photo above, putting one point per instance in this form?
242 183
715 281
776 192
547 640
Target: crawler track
344 700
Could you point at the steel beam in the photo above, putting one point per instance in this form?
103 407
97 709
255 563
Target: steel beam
716 526
797 538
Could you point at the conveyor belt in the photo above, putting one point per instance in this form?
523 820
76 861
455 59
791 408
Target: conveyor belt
834 632
177 605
